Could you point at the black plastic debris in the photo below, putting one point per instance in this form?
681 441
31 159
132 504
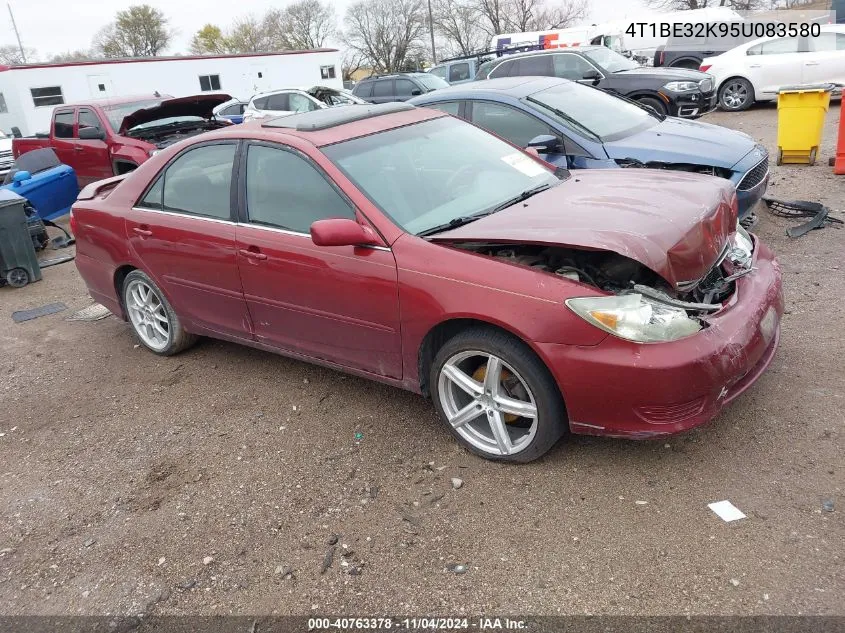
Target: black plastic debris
794 209
27 315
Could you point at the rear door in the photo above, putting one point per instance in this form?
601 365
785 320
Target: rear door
182 232
93 161
825 63
775 63
383 91
338 304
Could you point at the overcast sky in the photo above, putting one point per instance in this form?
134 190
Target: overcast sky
56 26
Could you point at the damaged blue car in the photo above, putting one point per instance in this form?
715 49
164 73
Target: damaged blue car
577 126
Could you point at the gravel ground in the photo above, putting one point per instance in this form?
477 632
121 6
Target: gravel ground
224 480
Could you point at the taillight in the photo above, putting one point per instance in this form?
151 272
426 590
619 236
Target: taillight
705 68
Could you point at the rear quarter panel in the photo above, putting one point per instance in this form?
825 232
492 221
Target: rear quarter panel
24 145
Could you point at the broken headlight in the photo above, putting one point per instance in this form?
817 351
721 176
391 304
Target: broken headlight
742 248
634 317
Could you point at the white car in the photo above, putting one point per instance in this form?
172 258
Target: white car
6 158
291 100
757 70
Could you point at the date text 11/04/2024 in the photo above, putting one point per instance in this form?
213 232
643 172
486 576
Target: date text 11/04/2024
383 623
731 30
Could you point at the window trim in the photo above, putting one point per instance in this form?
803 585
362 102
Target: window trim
242 207
77 125
162 173
585 59
211 87
73 125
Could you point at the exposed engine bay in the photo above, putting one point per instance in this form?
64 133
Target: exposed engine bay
621 275
708 170
169 133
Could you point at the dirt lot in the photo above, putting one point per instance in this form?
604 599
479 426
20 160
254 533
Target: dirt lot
213 482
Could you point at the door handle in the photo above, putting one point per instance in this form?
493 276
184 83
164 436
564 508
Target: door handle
811 63
754 65
252 254
142 232
78 148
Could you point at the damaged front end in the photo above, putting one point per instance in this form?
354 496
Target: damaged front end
707 170
640 305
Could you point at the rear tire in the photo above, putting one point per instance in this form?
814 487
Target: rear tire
654 104
151 316
515 415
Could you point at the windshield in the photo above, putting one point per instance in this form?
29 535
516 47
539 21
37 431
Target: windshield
116 113
431 173
173 120
602 115
610 60
432 82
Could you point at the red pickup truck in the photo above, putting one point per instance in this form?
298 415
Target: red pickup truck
105 138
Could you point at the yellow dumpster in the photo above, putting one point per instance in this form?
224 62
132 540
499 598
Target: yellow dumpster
801 111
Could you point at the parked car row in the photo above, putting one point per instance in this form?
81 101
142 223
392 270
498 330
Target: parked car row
410 247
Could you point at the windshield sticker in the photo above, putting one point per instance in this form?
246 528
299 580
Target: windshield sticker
524 164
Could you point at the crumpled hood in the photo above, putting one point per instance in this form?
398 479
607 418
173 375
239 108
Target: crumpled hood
195 105
682 141
675 223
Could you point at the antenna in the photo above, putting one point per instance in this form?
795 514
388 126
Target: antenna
17 35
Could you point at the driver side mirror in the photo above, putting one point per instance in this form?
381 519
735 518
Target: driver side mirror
544 144
592 75
91 134
415 92
342 232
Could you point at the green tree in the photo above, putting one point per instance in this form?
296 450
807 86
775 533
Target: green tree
209 40
139 31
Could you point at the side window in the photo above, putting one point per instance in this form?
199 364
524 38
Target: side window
405 87
89 119
828 42
280 102
301 103
284 190
504 70
260 104
63 126
536 65
512 125
199 181
449 107
383 88
459 72
571 66
364 90
780 46
153 198
231 110
439 71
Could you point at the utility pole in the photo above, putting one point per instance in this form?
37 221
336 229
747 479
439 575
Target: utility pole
17 35
431 30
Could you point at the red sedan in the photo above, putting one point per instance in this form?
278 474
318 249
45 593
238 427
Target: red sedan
410 247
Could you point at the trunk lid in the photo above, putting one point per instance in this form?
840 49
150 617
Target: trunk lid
675 223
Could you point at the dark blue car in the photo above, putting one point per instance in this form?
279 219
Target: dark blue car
578 126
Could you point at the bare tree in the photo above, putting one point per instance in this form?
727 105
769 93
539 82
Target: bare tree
10 55
507 16
308 24
72 56
250 35
457 23
684 5
139 31
350 63
387 33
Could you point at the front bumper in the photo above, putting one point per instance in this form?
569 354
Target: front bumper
623 389
751 179
692 104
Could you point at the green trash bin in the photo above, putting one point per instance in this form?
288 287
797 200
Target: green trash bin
18 263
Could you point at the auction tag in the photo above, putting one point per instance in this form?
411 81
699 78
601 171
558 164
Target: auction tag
523 163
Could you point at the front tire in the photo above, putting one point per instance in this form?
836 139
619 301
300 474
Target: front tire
496 396
153 320
736 94
654 104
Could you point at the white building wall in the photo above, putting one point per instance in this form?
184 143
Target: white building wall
240 77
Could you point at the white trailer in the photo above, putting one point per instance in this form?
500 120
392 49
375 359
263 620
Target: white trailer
28 93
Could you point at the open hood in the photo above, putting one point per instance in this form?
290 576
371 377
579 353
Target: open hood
675 223
195 105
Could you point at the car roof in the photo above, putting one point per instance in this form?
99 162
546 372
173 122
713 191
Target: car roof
392 75
341 123
546 51
517 87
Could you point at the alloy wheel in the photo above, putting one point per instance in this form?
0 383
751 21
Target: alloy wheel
148 315
735 95
488 403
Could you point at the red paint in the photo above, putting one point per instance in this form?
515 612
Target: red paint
367 310
839 161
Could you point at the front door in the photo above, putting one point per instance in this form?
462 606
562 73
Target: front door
339 304
63 133
93 161
825 63
183 234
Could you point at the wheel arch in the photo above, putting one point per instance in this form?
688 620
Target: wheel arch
735 76
120 274
440 333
